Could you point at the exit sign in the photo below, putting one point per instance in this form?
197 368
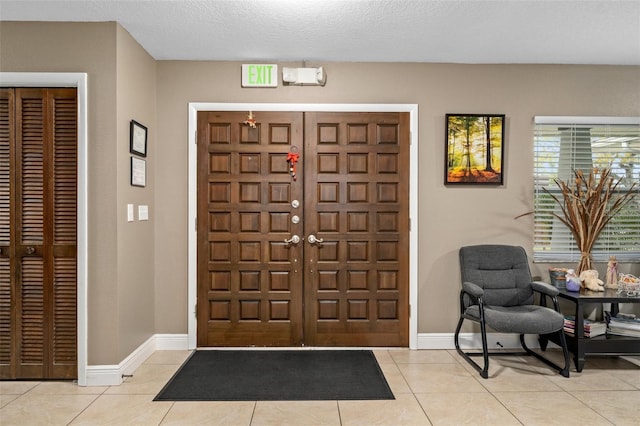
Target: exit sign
259 75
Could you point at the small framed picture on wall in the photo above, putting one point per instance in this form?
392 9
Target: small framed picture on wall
138 139
138 172
474 148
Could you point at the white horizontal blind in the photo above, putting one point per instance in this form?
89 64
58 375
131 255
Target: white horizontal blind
565 144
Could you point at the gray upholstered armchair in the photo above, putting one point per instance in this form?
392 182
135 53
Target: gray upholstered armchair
498 293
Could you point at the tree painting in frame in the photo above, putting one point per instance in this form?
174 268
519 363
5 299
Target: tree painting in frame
475 147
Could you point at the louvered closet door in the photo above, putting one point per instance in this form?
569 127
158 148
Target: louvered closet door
38 239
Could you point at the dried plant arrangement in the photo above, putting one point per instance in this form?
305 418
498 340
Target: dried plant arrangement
587 204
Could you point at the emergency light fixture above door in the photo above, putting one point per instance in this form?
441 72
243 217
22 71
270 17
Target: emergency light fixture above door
304 76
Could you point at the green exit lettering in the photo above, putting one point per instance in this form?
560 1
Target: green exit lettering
260 74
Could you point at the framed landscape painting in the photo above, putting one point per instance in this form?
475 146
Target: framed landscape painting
474 149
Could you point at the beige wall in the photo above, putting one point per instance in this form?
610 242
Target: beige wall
90 48
136 85
449 217
138 271
121 86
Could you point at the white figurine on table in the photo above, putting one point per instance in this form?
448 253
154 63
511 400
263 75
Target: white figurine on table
612 273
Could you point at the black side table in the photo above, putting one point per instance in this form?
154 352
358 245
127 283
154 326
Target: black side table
579 345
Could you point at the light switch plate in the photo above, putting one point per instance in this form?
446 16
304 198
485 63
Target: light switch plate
143 212
130 217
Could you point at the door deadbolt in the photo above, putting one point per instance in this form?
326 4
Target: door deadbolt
295 219
295 204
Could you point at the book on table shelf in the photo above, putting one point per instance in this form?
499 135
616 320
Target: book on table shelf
623 325
591 328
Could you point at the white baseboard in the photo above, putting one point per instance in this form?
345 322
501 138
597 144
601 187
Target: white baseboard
171 342
112 375
474 341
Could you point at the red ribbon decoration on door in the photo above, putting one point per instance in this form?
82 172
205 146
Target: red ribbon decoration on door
292 159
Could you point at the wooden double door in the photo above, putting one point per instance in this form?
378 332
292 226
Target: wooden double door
38 197
313 253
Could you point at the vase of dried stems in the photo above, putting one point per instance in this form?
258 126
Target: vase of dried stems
587 205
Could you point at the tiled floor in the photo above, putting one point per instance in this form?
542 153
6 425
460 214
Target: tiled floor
431 388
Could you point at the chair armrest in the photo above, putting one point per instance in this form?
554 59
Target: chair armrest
542 287
472 289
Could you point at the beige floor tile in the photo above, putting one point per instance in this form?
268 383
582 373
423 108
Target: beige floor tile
634 359
516 374
148 379
423 357
11 387
210 413
395 379
549 408
627 376
5 399
383 357
497 364
448 391
620 407
465 409
66 388
168 357
619 367
294 413
591 379
501 363
44 409
423 378
404 410
123 410
614 362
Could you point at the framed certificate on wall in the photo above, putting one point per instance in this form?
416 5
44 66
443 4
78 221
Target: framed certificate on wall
138 139
138 172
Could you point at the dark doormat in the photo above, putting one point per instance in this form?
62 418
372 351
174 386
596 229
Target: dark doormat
277 375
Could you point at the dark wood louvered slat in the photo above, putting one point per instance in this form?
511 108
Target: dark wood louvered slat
32 321
64 356
38 271
6 109
64 338
5 314
65 193
32 138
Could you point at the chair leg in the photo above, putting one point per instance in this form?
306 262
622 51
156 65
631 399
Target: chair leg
484 372
563 371
565 352
485 351
456 335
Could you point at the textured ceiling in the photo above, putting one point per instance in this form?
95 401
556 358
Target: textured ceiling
459 31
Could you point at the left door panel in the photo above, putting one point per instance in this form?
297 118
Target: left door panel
249 278
38 195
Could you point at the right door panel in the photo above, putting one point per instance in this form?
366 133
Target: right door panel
356 281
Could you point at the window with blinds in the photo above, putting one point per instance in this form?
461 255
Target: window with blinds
563 145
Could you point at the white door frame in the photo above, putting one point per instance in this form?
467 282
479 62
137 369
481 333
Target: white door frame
79 81
412 109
